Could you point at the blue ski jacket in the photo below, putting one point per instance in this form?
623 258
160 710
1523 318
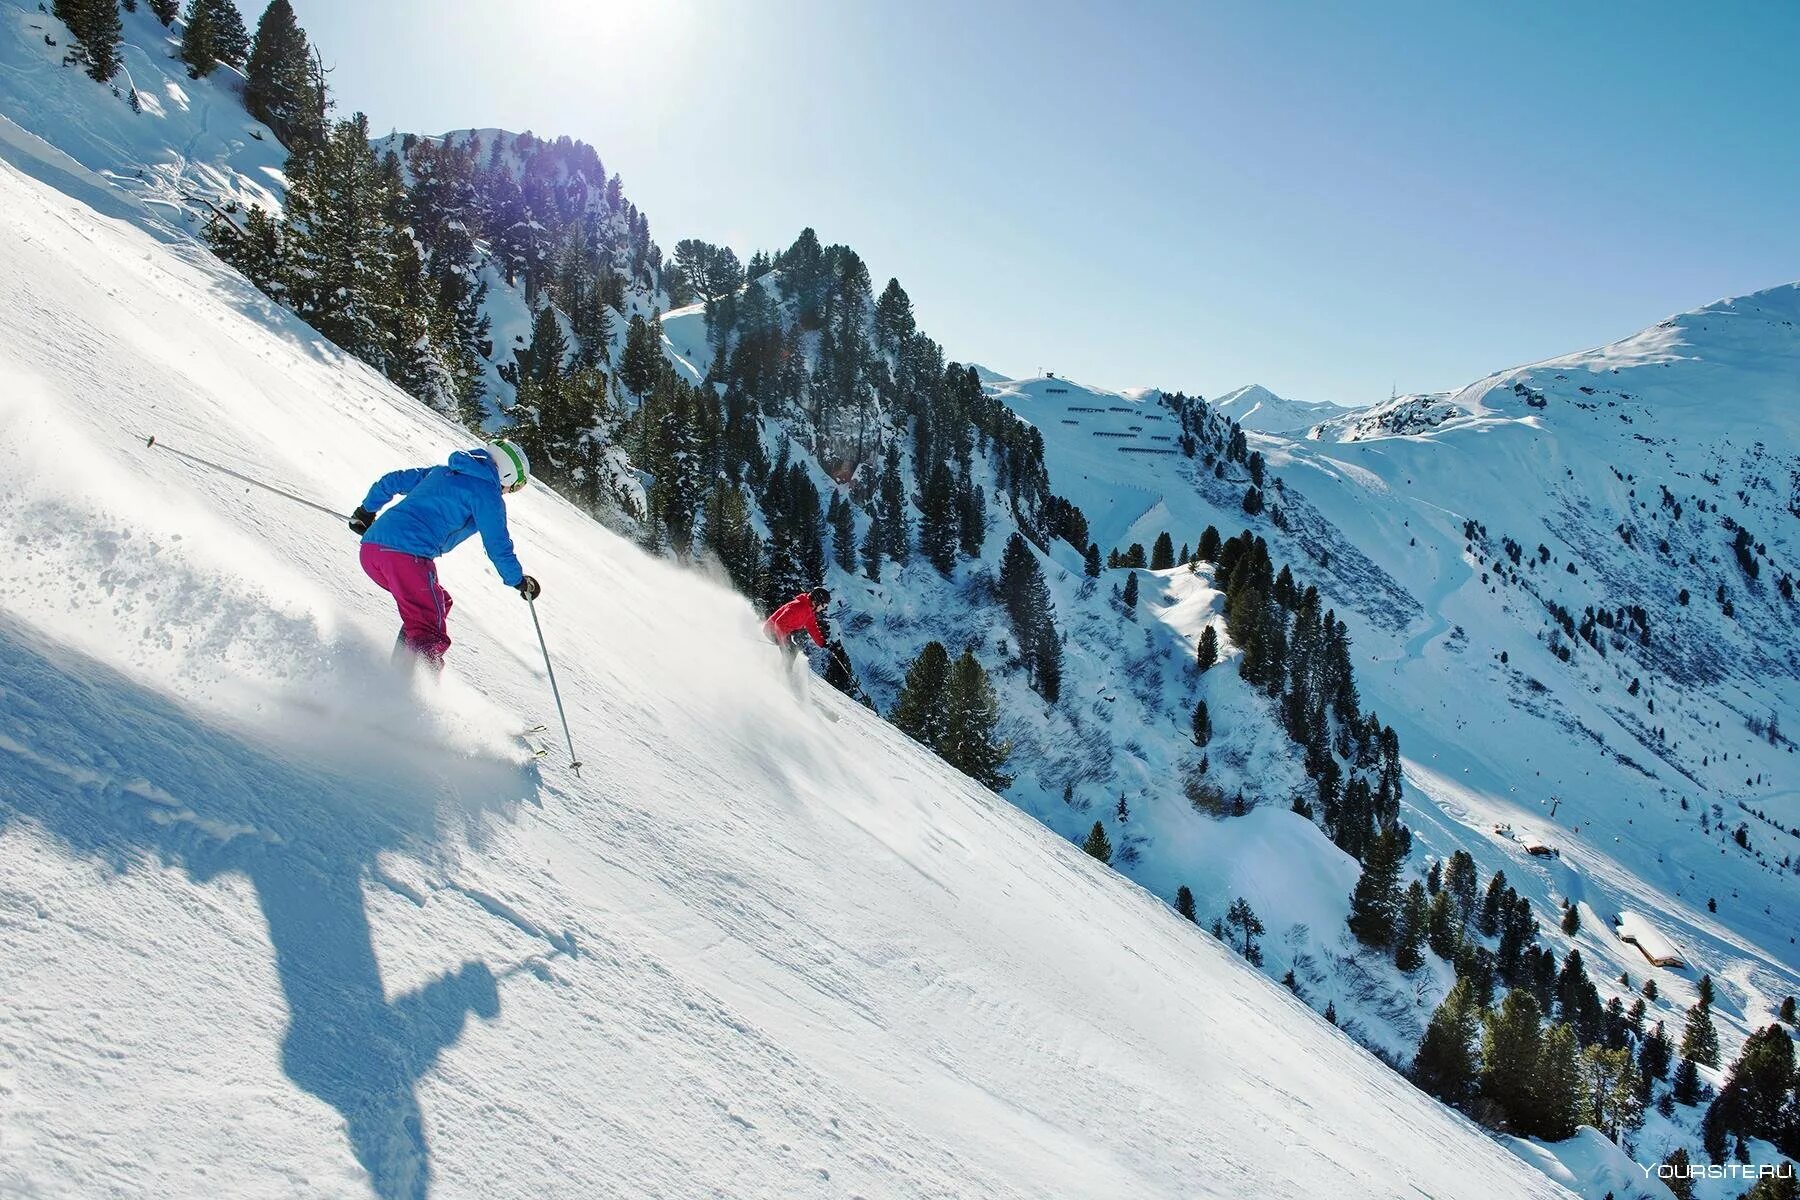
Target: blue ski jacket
443 506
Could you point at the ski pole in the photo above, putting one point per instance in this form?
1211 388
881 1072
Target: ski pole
151 443
574 763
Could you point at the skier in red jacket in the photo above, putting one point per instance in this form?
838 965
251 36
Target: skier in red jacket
797 616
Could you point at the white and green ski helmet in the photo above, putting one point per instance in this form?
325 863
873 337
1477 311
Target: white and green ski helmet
515 471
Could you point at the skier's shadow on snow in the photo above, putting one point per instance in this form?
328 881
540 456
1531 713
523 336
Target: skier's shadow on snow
115 771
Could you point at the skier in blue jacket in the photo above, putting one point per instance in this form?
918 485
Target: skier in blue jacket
440 509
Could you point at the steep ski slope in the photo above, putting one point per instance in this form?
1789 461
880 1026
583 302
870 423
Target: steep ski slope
273 927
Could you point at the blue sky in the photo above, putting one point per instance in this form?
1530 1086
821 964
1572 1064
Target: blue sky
1326 198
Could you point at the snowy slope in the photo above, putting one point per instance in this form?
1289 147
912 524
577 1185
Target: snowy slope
192 149
1636 764
1256 407
275 925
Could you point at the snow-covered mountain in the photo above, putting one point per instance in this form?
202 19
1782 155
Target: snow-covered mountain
1256 407
1463 538
276 922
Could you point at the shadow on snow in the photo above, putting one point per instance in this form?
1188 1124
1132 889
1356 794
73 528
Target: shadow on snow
119 773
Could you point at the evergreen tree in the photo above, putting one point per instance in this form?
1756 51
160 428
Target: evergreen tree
166 10
1446 1065
642 357
920 710
971 719
1248 926
1184 900
1208 549
1098 845
1026 598
896 525
1460 883
1090 562
278 90
1678 1178
1686 1085
1443 927
1656 1053
1706 993
1202 724
1208 651
230 42
1510 1050
199 40
1613 1104
1758 1083
971 511
1699 1039
342 276
842 518
871 550
1409 941
97 31
727 532
1130 598
255 250
1375 904
1559 1094
1162 555
1571 919
937 519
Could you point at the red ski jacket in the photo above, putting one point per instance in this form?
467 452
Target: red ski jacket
792 617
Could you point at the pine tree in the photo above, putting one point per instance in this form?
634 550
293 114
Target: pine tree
1090 562
842 519
97 31
1408 943
1613 1104
1026 598
1443 926
199 39
341 275
1571 919
1706 994
1202 724
1678 1177
1208 651
971 719
1130 598
1162 555
1557 1102
1374 905
1242 918
642 357
230 42
1184 900
1460 882
1757 1085
919 711
1098 845
1686 1085
1699 1039
1208 549
1446 1065
1511 1046
871 550
166 10
1656 1053
279 86
937 519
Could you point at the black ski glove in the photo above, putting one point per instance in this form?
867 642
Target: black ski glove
528 588
360 520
